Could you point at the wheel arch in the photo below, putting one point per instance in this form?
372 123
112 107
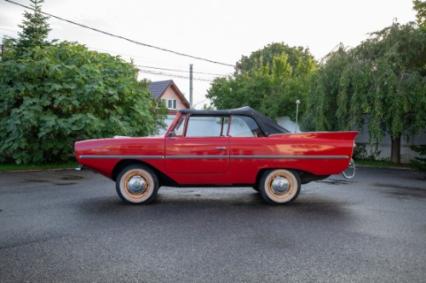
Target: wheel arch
162 178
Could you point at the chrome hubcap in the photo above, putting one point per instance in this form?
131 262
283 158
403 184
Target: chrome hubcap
136 185
280 185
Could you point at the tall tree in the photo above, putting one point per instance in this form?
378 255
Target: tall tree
35 28
323 91
396 60
382 80
299 58
420 8
269 80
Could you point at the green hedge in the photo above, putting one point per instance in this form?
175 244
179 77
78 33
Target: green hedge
52 96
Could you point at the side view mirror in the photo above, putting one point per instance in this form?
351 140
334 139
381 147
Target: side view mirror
171 134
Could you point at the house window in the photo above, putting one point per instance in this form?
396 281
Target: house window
171 103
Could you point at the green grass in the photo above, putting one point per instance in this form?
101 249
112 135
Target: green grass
380 163
17 167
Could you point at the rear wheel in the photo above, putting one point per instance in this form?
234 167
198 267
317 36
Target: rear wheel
279 186
137 184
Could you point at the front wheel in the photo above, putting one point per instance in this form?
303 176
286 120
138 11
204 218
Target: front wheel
137 184
279 186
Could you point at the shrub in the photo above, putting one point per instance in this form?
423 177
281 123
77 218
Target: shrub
419 162
53 95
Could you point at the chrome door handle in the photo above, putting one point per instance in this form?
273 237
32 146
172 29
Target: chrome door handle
220 147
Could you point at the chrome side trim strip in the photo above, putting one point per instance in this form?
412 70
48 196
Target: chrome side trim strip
294 156
242 156
94 156
196 157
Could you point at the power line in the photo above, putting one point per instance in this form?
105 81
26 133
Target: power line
202 101
125 38
142 69
133 56
179 70
172 75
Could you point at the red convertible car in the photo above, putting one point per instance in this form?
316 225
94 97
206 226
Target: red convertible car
237 147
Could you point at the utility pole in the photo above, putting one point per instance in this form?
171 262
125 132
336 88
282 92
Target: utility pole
297 114
190 85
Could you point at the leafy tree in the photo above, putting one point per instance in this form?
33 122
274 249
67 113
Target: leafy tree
299 58
420 8
269 80
52 94
383 79
393 78
55 95
323 91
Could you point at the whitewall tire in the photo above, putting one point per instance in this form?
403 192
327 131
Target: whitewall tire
279 186
137 184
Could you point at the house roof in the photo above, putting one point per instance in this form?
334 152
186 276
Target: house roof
158 88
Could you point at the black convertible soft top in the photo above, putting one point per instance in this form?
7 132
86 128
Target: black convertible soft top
266 124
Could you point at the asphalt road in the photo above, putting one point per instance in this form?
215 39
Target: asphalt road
66 226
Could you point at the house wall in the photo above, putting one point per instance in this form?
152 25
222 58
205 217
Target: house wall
171 94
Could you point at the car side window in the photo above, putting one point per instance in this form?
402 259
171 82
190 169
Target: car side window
244 126
204 126
225 126
180 127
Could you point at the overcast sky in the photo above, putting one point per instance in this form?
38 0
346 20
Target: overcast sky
216 29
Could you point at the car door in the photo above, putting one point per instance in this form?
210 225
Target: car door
247 148
202 148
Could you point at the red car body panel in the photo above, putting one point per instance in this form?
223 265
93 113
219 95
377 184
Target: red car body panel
222 160
115 149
